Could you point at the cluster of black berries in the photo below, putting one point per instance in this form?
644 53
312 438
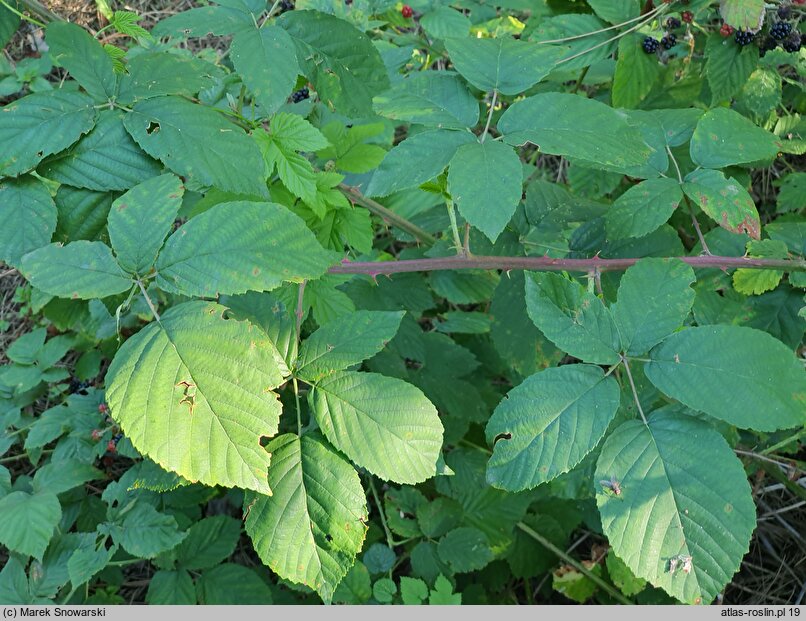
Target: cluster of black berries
744 37
286 5
76 386
650 45
669 41
780 30
300 95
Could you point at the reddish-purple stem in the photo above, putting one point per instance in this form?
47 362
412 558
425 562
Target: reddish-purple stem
376 268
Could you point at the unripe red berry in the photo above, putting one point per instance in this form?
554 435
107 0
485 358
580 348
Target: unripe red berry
726 30
406 11
103 408
687 17
96 434
111 447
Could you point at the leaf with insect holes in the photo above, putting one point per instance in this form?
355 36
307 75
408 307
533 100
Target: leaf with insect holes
684 514
314 524
547 424
193 392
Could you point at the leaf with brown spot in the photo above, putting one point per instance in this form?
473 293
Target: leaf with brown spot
724 201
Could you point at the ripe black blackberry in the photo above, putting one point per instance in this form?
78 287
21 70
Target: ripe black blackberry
650 45
784 11
669 41
744 37
300 95
673 23
780 30
767 44
793 42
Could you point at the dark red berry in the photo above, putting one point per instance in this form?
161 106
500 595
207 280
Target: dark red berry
103 408
111 446
687 17
406 11
784 11
726 30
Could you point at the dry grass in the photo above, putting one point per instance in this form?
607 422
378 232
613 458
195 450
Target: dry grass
18 325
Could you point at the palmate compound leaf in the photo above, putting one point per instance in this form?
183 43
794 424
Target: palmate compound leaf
741 375
570 125
654 299
314 524
346 341
247 246
28 214
173 130
684 514
545 426
506 65
80 270
381 423
486 181
140 220
84 57
38 125
193 392
575 320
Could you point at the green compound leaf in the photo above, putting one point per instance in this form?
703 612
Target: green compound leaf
193 392
381 423
28 214
545 426
444 22
636 72
486 181
29 521
105 159
172 129
247 246
728 67
745 14
293 132
346 341
465 549
724 138
38 125
570 125
161 73
740 375
573 319
643 208
723 200
310 530
80 270
76 50
433 98
506 65
267 62
416 160
209 542
140 220
654 299
146 532
340 60
684 514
